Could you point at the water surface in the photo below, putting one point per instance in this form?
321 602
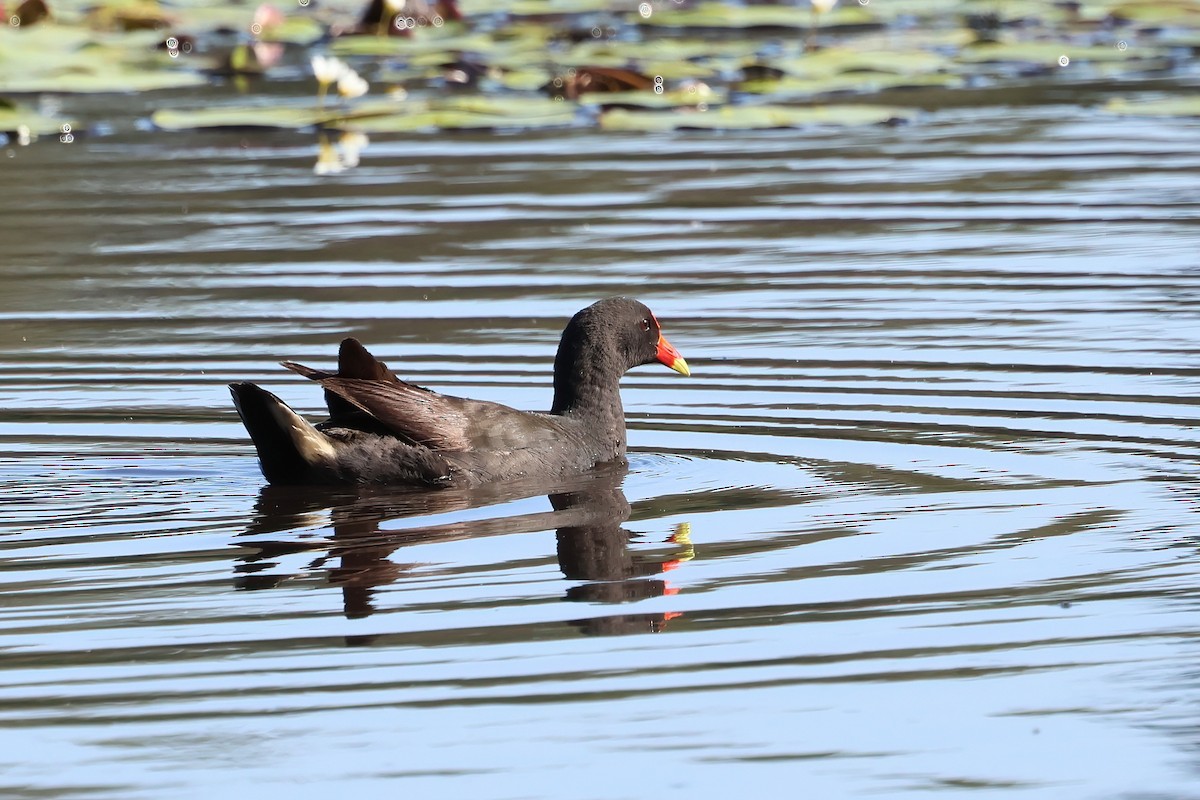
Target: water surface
921 523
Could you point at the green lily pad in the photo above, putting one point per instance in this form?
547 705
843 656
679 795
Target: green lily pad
1165 107
286 117
1157 11
841 60
1047 53
544 8
524 80
172 119
676 98
60 58
294 30
721 15
382 116
130 15
672 71
1050 14
463 120
750 118
588 51
101 78
14 117
856 82
419 44
470 113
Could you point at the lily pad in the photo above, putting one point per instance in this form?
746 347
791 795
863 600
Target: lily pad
382 115
1165 107
472 113
1047 53
720 15
59 58
114 78
429 120
676 98
841 60
393 46
939 11
681 50
14 118
545 8
130 15
523 80
286 117
751 118
673 71
789 88
294 30
1157 11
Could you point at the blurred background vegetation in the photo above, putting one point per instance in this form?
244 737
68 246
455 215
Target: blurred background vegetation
640 66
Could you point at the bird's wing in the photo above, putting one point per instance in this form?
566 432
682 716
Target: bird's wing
366 395
354 361
411 412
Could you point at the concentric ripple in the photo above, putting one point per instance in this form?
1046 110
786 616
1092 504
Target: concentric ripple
922 520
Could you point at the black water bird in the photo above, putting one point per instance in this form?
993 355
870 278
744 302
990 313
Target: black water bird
385 430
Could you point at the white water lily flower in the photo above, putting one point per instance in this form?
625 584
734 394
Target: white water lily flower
328 69
351 84
823 6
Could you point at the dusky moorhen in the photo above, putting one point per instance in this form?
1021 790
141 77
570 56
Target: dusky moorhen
385 430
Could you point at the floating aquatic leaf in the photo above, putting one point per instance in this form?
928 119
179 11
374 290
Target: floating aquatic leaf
115 78
941 11
674 71
842 60
472 113
523 80
172 119
1156 11
24 46
295 29
750 118
130 15
287 117
720 15
543 8
676 98
517 48
1048 53
1164 107
858 82
401 46
202 19
382 115
59 58
589 51
14 117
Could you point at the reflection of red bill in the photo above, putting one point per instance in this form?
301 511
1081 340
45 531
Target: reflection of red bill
670 615
667 354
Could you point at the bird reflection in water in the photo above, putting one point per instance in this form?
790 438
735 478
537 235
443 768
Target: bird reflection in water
593 548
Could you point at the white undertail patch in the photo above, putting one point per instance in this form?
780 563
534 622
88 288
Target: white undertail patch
312 445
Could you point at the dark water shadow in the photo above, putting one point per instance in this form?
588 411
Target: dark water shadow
356 553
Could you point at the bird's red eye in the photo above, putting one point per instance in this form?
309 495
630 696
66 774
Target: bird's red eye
646 325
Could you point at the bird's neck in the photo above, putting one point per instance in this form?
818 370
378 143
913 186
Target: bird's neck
587 387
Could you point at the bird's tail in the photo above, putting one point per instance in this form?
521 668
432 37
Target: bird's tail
289 448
